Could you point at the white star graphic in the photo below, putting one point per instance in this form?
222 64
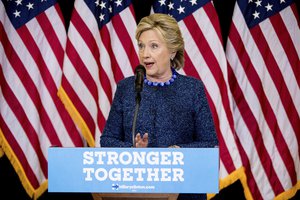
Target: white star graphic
162 2
101 17
181 9
258 3
30 6
18 2
171 6
118 2
17 14
282 1
269 7
193 2
102 5
256 14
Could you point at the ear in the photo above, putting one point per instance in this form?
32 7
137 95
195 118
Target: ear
172 56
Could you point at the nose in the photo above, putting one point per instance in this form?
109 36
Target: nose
145 52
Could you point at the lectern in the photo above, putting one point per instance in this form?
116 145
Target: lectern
133 173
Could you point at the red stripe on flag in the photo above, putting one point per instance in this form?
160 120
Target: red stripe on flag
239 98
189 68
52 38
58 50
20 114
18 151
60 14
212 63
85 114
275 72
51 86
82 70
106 40
87 36
87 79
30 87
295 12
212 15
125 39
107 61
215 69
224 153
35 62
285 98
284 36
248 116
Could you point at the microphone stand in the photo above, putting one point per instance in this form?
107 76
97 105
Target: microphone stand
137 106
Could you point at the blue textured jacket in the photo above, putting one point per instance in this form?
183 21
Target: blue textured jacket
177 114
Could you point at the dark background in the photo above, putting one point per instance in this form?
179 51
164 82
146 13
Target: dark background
10 186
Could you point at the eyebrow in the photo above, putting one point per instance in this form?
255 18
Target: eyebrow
152 41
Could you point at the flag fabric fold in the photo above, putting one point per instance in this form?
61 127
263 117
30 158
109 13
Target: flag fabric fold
100 51
263 53
32 117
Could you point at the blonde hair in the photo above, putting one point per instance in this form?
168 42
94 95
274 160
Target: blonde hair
170 32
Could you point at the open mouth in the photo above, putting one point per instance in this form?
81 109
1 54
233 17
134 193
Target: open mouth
149 64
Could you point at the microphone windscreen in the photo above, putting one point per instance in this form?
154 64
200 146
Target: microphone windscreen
140 68
139 77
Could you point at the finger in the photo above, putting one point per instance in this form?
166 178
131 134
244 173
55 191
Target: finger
145 137
138 137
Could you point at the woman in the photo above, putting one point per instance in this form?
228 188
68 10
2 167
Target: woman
174 111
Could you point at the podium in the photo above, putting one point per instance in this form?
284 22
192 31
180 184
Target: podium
133 173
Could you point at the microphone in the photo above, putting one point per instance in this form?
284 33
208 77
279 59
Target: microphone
139 78
139 82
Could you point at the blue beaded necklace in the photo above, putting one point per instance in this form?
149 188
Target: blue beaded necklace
162 84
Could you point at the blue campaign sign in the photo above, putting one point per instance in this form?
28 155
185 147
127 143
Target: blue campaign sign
133 170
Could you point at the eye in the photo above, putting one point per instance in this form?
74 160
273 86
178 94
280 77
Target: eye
141 46
154 46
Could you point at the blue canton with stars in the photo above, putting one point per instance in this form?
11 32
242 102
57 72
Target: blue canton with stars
256 11
178 9
22 11
104 10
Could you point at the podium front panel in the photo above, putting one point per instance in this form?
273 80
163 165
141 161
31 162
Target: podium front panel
133 170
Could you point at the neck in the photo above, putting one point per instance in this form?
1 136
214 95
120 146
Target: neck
162 83
161 79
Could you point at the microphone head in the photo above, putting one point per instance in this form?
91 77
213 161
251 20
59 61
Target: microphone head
140 72
141 69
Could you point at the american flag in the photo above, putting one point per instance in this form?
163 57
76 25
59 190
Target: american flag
101 50
263 52
32 117
205 59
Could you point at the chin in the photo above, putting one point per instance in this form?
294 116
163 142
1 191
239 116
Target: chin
150 73
149 70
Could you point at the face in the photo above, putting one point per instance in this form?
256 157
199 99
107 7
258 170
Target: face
155 56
